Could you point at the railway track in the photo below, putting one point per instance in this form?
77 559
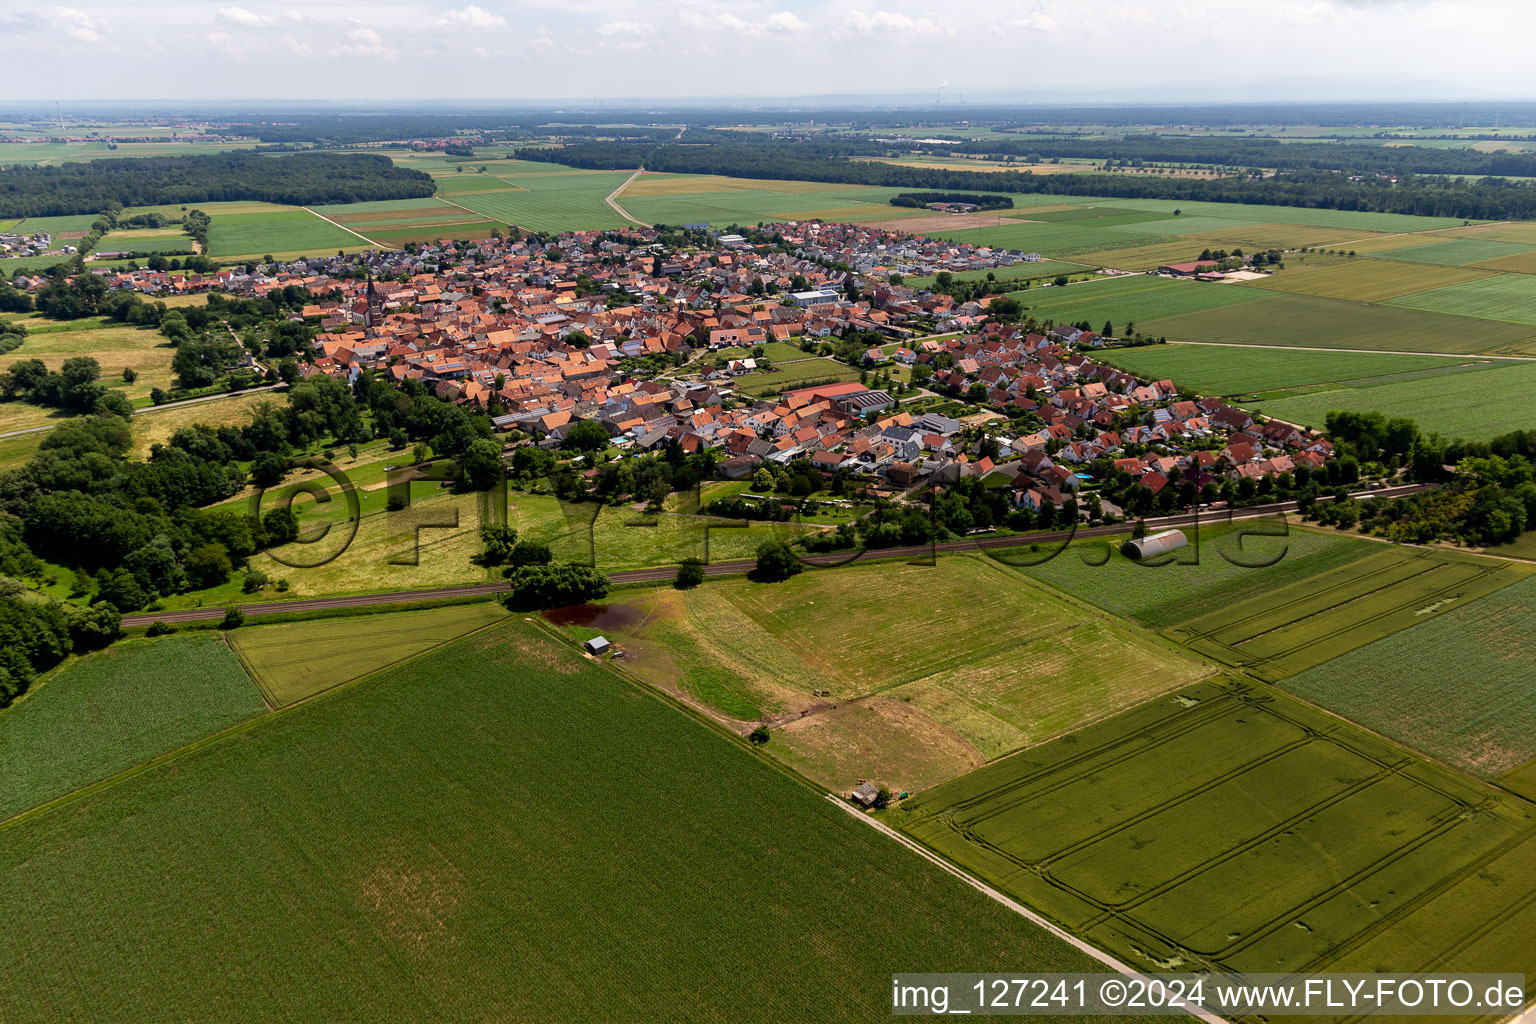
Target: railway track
742 566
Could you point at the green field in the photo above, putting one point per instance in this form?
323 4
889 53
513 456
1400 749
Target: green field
1313 322
115 346
912 689
551 198
1260 214
1214 370
106 712
1458 252
1016 272
294 660
1455 687
277 231
1061 240
788 375
502 831
1289 629
1510 297
1139 298
1477 406
1365 280
1234 563
1349 853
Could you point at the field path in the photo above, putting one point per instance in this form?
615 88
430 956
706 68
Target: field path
1013 905
1363 351
612 199
348 230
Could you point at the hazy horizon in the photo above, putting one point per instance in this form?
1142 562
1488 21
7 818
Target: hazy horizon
542 52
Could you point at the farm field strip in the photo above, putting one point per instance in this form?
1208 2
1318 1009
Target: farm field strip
1236 371
255 234
1136 833
1506 297
1310 622
1366 280
1125 299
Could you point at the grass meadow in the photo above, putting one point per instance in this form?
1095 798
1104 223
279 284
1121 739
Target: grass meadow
1458 683
1137 831
278 230
500 829
917 681
105 712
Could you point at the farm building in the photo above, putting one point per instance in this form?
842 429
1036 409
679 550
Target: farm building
865 795
597 645
1154 545
1191 269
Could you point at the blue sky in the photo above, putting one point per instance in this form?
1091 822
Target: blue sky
1051 50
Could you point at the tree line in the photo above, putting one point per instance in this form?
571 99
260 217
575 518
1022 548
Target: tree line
740 154
299 180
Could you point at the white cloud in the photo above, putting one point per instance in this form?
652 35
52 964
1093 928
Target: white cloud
785 21
241 16
890 23
365 42
76 24
623 29
297 47
474 16
1038 21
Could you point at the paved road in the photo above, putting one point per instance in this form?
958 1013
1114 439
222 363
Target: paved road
742 566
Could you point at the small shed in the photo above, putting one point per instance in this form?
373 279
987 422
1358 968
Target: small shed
1154 544
597 645
866 794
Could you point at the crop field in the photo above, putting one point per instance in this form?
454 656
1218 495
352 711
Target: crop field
1310 321
1508 297
106 712
1459 251
1366 280
294 660
1522 263
256 234
1137 831
395 222
766 201
1016 272
908 704
1223 565
1220 370
1476 406
1350 220
1284 236
1062 240
1455 687
1148 257
1289 629
1504 231
168 240
447 825
1139 298
74 223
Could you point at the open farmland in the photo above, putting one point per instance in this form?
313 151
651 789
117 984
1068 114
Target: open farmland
906 706
1352 221
1140 298
1459 252
1508 297
1138 831
1222 566
718 200
279 230
294 660
1310 321
395 222
1365 280
1287 630
550 198
450 823
1221 370
1477 406
1061 240
1456 687
106 712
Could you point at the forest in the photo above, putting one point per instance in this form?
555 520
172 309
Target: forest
299 180
745 155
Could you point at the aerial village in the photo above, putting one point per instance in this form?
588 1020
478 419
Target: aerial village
618 327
